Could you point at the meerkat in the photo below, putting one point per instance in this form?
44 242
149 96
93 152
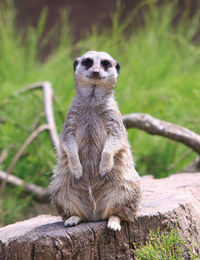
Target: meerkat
95 177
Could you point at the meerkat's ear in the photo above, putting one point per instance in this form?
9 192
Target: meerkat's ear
117 67
75 64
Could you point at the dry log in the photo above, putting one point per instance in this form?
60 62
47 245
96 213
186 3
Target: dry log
155 126
38 192
169 202
174 132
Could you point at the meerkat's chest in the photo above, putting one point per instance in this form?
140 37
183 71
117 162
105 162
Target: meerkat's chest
91 128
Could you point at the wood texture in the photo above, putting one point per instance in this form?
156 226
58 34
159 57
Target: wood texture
155 126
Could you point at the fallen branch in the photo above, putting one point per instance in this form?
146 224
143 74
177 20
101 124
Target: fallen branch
19 154
38 192
158 127
48 108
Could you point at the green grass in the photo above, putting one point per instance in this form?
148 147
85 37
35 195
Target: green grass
159 75
14 206
165 245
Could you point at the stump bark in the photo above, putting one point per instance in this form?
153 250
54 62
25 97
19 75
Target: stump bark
168 202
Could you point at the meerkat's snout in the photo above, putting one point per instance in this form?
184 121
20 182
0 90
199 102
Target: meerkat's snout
95 73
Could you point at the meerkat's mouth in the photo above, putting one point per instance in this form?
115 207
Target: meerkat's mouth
95 77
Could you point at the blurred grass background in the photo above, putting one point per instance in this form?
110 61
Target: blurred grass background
160 75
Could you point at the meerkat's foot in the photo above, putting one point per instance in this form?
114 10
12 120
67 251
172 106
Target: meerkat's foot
114 223
72 221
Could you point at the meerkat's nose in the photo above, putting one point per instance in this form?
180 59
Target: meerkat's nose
95 73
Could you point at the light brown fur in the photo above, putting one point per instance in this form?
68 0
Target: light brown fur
93 143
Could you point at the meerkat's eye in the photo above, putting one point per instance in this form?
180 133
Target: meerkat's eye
106 64
87 63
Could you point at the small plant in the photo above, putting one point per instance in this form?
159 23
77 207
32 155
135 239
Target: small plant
165 245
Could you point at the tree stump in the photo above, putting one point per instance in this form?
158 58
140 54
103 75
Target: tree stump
168 202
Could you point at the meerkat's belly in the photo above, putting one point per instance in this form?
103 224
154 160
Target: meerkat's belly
90 135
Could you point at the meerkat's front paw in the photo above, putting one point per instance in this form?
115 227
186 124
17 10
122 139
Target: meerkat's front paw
78 174
114 223
72 221
77 171
106 164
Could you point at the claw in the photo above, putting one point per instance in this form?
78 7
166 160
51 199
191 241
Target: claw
102 176
78 179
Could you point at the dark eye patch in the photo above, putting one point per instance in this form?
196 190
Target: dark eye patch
118 67
106 64
75 64
87 63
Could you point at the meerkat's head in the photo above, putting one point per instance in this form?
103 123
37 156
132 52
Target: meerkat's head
96 69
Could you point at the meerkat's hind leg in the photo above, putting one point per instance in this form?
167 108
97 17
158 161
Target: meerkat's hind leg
72 221
114 223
